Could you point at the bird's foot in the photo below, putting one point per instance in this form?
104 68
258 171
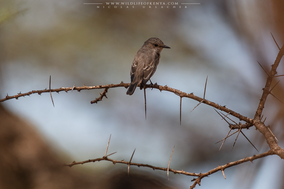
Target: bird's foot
151 84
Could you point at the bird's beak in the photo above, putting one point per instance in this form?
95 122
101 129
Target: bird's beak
165 46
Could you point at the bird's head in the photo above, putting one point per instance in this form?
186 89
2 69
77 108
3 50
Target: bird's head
156 44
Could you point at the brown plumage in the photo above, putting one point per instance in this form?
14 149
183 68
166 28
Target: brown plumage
145 63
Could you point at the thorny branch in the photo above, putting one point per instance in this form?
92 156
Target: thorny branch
266 90
102 94
198 176
266 132
271 140
231 164
239 131
182 172
61 89
154 86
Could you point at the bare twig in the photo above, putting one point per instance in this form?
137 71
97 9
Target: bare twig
198 176
271 74
155 86
223 167
269 136
66 89
239 130
102 94
240 125
131 163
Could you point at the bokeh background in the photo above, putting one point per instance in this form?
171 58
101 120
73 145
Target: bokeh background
79 44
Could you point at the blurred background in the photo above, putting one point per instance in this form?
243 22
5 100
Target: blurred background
78 43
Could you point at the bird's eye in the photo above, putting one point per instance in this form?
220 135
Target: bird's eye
156 45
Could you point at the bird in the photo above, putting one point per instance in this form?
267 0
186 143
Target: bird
145 63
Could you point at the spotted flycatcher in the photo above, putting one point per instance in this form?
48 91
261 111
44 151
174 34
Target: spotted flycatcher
145 63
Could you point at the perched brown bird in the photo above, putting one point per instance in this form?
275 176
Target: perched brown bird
145 63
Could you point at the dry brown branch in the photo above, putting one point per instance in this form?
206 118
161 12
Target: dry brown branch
231 164
198 176
240 125
154 86
131 163
219 168
271 139
266 90
269 136
66 89
239 131
102 94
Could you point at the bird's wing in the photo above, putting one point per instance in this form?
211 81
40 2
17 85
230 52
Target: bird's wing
150 66
148 71
137 69
133 69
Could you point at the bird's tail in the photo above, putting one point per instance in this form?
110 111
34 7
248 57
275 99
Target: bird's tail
131 88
